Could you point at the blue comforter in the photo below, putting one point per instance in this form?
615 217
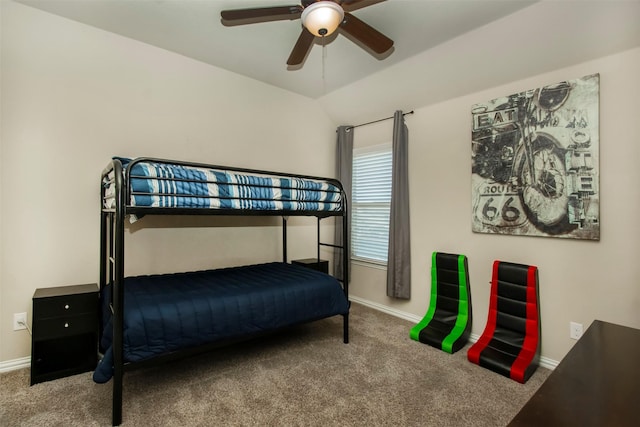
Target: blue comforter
165 313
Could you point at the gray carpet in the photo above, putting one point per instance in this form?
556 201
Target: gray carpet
304 376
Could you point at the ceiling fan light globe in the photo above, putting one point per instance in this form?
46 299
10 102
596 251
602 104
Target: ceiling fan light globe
322 18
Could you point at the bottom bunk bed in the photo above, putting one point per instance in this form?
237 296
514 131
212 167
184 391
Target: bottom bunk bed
168 313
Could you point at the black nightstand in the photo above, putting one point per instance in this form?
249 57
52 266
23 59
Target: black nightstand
313 263
65 331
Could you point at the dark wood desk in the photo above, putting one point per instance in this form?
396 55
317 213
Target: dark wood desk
596 384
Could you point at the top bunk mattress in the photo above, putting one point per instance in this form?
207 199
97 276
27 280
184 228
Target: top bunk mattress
158 183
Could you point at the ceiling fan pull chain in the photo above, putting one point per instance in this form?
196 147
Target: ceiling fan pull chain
324 55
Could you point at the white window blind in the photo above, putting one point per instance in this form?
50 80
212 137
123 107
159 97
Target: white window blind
371 194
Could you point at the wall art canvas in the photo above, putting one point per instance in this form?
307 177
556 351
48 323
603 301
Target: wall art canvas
535 162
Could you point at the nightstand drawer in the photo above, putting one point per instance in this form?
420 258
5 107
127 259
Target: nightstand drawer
64 326
65 301
64 305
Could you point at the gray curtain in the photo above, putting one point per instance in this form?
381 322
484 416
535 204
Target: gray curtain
399 258
344 166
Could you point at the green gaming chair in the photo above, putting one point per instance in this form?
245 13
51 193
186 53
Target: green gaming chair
447 323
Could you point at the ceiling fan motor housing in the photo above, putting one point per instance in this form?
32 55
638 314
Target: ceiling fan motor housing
322 18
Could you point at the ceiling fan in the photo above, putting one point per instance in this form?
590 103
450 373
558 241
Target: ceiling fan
320 18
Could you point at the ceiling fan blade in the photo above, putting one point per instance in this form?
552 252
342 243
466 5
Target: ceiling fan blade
249 16
302 48
351 5
366 34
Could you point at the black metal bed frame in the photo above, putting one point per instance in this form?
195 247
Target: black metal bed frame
112 252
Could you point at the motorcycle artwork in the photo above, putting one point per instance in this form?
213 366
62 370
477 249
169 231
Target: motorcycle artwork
534 162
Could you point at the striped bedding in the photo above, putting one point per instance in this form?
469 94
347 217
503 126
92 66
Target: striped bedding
162 185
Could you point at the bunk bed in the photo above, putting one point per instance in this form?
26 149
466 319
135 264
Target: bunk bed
154 318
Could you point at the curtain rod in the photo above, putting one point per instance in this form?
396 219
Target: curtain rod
376 121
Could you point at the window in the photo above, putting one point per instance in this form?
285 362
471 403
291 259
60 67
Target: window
371 193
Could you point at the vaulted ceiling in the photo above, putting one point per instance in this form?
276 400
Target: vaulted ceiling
193 28
533 36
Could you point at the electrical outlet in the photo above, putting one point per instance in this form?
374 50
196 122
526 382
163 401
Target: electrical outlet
19 321
575 330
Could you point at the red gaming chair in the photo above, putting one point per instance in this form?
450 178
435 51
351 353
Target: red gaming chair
510 343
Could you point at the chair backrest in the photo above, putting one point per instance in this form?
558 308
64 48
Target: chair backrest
447 323
513 323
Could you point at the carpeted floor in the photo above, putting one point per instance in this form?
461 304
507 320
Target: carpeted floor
304 376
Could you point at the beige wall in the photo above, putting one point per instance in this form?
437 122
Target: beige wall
72 97
579 280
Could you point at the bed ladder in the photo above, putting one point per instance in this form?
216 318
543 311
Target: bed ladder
345 259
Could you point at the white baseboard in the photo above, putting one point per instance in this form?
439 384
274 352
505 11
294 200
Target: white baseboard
12 365
386 309
545 362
